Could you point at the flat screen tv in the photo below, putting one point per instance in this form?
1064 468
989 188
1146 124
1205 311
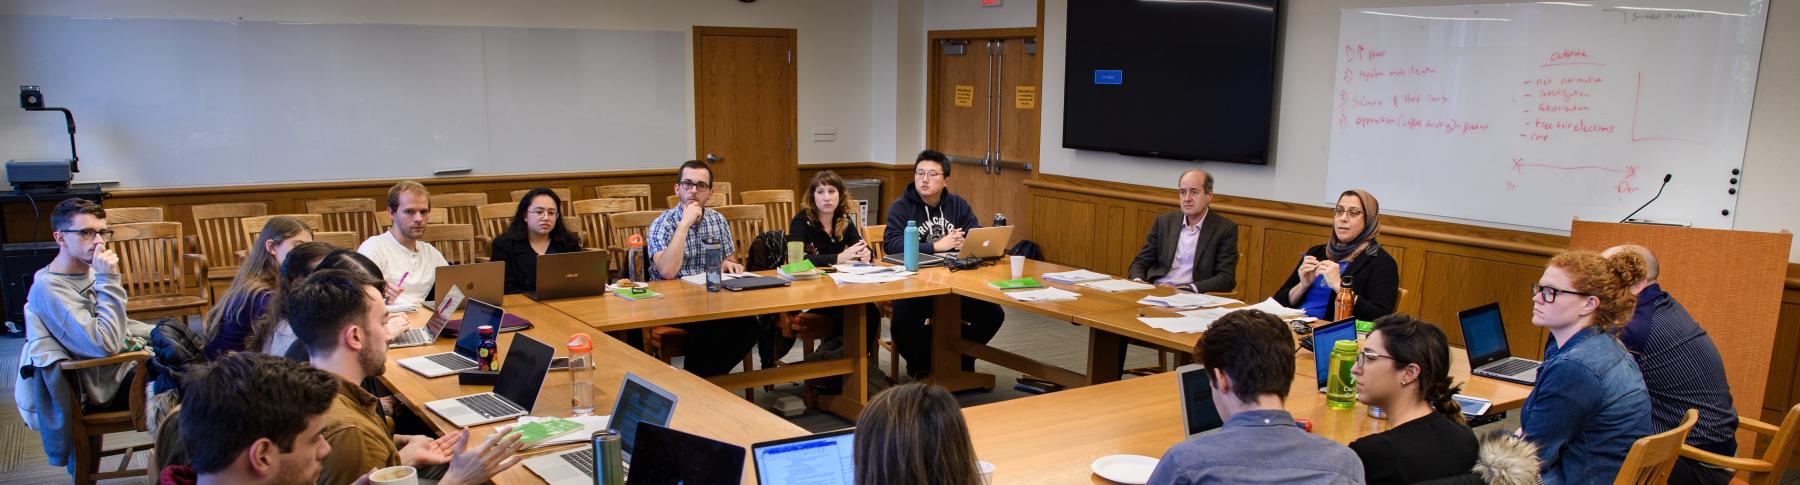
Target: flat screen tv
1180 79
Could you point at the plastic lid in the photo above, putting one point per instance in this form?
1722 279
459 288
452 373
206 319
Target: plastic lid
1346 346
635 241
484 330
912 223
580 343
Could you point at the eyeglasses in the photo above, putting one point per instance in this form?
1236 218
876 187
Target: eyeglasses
542 212
927 174
1548 293
1363 358
89 233
692 185
1352 212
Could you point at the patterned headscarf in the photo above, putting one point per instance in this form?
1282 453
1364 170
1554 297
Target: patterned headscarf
1364 243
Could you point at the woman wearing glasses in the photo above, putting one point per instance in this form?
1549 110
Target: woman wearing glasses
1351 258
1589 404
537 229
1404 368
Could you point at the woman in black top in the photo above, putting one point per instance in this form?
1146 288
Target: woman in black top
1351 255
1404 368
536 229
823 225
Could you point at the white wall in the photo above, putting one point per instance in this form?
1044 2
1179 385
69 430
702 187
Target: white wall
1302 131
969 14
834 39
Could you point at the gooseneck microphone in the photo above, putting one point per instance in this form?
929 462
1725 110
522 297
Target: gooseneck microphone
1659 191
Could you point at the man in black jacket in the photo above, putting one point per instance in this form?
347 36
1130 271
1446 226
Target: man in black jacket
944 220
1193 248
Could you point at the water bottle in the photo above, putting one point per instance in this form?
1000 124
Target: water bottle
999 219
1346 301
912 245
637 263
487 349
713 261
581 374
1340 390
609 458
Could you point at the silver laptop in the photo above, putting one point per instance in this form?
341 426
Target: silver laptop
569 275
481 281
638 401
467 339
1489 355
1198 414
440 318
986 242
515 391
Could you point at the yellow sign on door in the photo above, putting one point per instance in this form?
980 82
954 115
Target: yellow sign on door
1025 97
965 96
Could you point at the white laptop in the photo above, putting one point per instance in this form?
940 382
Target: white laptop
1198 414
440 318
515 391
638 401
467 339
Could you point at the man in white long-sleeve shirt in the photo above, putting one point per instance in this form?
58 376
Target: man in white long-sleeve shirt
408 265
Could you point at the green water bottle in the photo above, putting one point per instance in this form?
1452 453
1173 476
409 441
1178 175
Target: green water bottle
1340 391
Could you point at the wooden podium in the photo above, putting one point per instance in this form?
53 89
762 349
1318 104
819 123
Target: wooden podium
1730 281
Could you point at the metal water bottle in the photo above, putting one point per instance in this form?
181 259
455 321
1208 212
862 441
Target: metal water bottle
714 259
1346 300
999 219
912 245
609 458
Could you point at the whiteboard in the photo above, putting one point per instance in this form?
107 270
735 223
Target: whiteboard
164 103
1534 114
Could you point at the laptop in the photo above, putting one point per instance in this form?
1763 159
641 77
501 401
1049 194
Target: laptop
926 260
481 281
1198 414
754 283
986 242
463 358
638 401
664 456
440 318
1324 339
1485 335
825 459
515 391
570 275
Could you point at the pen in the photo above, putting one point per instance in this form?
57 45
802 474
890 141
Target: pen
401 286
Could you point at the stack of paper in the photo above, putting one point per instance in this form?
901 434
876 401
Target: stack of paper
1187 300
1269 306
865 268
1115 286
1077 276
844 278
1189 322
1046 294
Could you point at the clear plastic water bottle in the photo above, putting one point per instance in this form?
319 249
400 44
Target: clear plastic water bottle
912 245
636 261
581 374
714 259
1340 391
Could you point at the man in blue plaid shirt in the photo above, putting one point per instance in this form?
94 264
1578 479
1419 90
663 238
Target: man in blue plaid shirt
677 248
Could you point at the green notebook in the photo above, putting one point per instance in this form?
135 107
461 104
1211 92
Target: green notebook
797 268
635 294
1018 284
543 430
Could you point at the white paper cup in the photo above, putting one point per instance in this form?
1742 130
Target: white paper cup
1018 266
987 469
395 475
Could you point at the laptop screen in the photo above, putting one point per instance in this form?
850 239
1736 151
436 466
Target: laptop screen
1323 339
1199 413
522 374
668 457
638 403
441 316
823 459
479 313
1484 334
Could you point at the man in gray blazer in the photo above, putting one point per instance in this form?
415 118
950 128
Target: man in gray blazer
1192 249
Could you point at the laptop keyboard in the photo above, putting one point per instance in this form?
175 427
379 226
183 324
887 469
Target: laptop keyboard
1511 367
582 459
489 405
412 336
452 361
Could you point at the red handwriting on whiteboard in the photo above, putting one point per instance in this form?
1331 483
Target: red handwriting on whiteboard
1567 54
1562 108
1358 52
1566 94
1636 99
1623 186
1577 126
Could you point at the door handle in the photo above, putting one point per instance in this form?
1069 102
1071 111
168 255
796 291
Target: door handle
712 158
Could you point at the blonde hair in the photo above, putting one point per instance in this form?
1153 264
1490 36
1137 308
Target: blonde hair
1608 278
914 434
257 274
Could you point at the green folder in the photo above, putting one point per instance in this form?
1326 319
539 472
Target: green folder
1018 284
634 294
797 268
543 430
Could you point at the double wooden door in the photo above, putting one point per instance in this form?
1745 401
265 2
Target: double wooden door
984 115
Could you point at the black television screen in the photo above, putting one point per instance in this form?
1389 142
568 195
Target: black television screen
1182 79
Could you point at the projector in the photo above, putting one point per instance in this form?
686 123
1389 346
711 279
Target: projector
40 176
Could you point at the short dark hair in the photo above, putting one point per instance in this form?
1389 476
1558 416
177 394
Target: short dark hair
1417 342
66 211
404 187
933 156
694 164
1255 349
245 396
1206 184
320 306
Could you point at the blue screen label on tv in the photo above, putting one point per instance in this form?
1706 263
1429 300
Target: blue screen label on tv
1109 76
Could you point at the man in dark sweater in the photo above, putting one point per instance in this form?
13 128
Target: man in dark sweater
1682 370
944 220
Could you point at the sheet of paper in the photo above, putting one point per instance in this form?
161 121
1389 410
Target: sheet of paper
869 279
1269 306
1179 324
1042 294
1184 299
867 269
1116 286
1076 276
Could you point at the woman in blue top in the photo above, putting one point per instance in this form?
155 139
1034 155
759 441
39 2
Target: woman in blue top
1351 255
1589 404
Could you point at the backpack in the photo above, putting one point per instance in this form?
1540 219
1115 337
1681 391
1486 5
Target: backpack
1027 249
173 347
768 251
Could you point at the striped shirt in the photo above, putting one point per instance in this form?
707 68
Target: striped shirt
1682 370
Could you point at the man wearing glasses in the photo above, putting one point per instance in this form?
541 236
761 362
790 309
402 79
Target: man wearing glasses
677 244
1192 249
943 220
75 311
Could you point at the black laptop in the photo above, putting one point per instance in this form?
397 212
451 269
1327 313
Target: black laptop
1489 356
664 456
569 275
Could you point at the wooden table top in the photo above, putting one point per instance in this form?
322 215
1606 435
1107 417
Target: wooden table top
684 302
974 284
704 408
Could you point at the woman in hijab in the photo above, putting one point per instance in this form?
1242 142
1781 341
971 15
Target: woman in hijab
1351 258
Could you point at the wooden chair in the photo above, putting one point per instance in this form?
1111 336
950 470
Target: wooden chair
874 235
1766 469
89 428
715 200
459 208
593 212
492 220
456 241
778 203
561 193
636 192
354 215
746 222
152 256
721 189
128 215
341 239
221 231
1652 457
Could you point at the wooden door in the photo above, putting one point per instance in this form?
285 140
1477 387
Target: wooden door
744 114
984 116
1016 133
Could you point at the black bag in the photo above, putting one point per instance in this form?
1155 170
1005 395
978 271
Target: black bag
768 251
1027 249
173 347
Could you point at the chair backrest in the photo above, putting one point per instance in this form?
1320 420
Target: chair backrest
722 188
574 224
456 241
561 194
593 212
873 235
746 222
458 208
355 215
494 218
342 239
149 257
636 192
779 204
254 225
222 232
1652 457
128 215
623 224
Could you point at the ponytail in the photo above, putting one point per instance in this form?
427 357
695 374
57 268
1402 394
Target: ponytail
1438 396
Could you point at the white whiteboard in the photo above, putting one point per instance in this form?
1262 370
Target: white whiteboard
165 103
1534 114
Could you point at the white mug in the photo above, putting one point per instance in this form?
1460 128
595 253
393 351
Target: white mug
395 475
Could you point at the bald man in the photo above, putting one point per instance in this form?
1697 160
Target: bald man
1193 248
1682 370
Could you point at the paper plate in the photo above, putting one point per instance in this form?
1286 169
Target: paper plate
1129 469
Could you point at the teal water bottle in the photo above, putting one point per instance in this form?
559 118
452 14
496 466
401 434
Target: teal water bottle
1340 391
912 245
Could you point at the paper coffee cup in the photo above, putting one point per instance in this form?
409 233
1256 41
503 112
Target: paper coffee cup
1018 266
395 475
987 469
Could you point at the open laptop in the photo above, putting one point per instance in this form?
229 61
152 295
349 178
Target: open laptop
515 391
826 459
638 401
1489 356
1198 413
1323 339
986 242
664 456
481 281
440 318
570 275
467 339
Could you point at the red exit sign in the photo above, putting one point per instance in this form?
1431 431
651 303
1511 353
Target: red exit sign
992 3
